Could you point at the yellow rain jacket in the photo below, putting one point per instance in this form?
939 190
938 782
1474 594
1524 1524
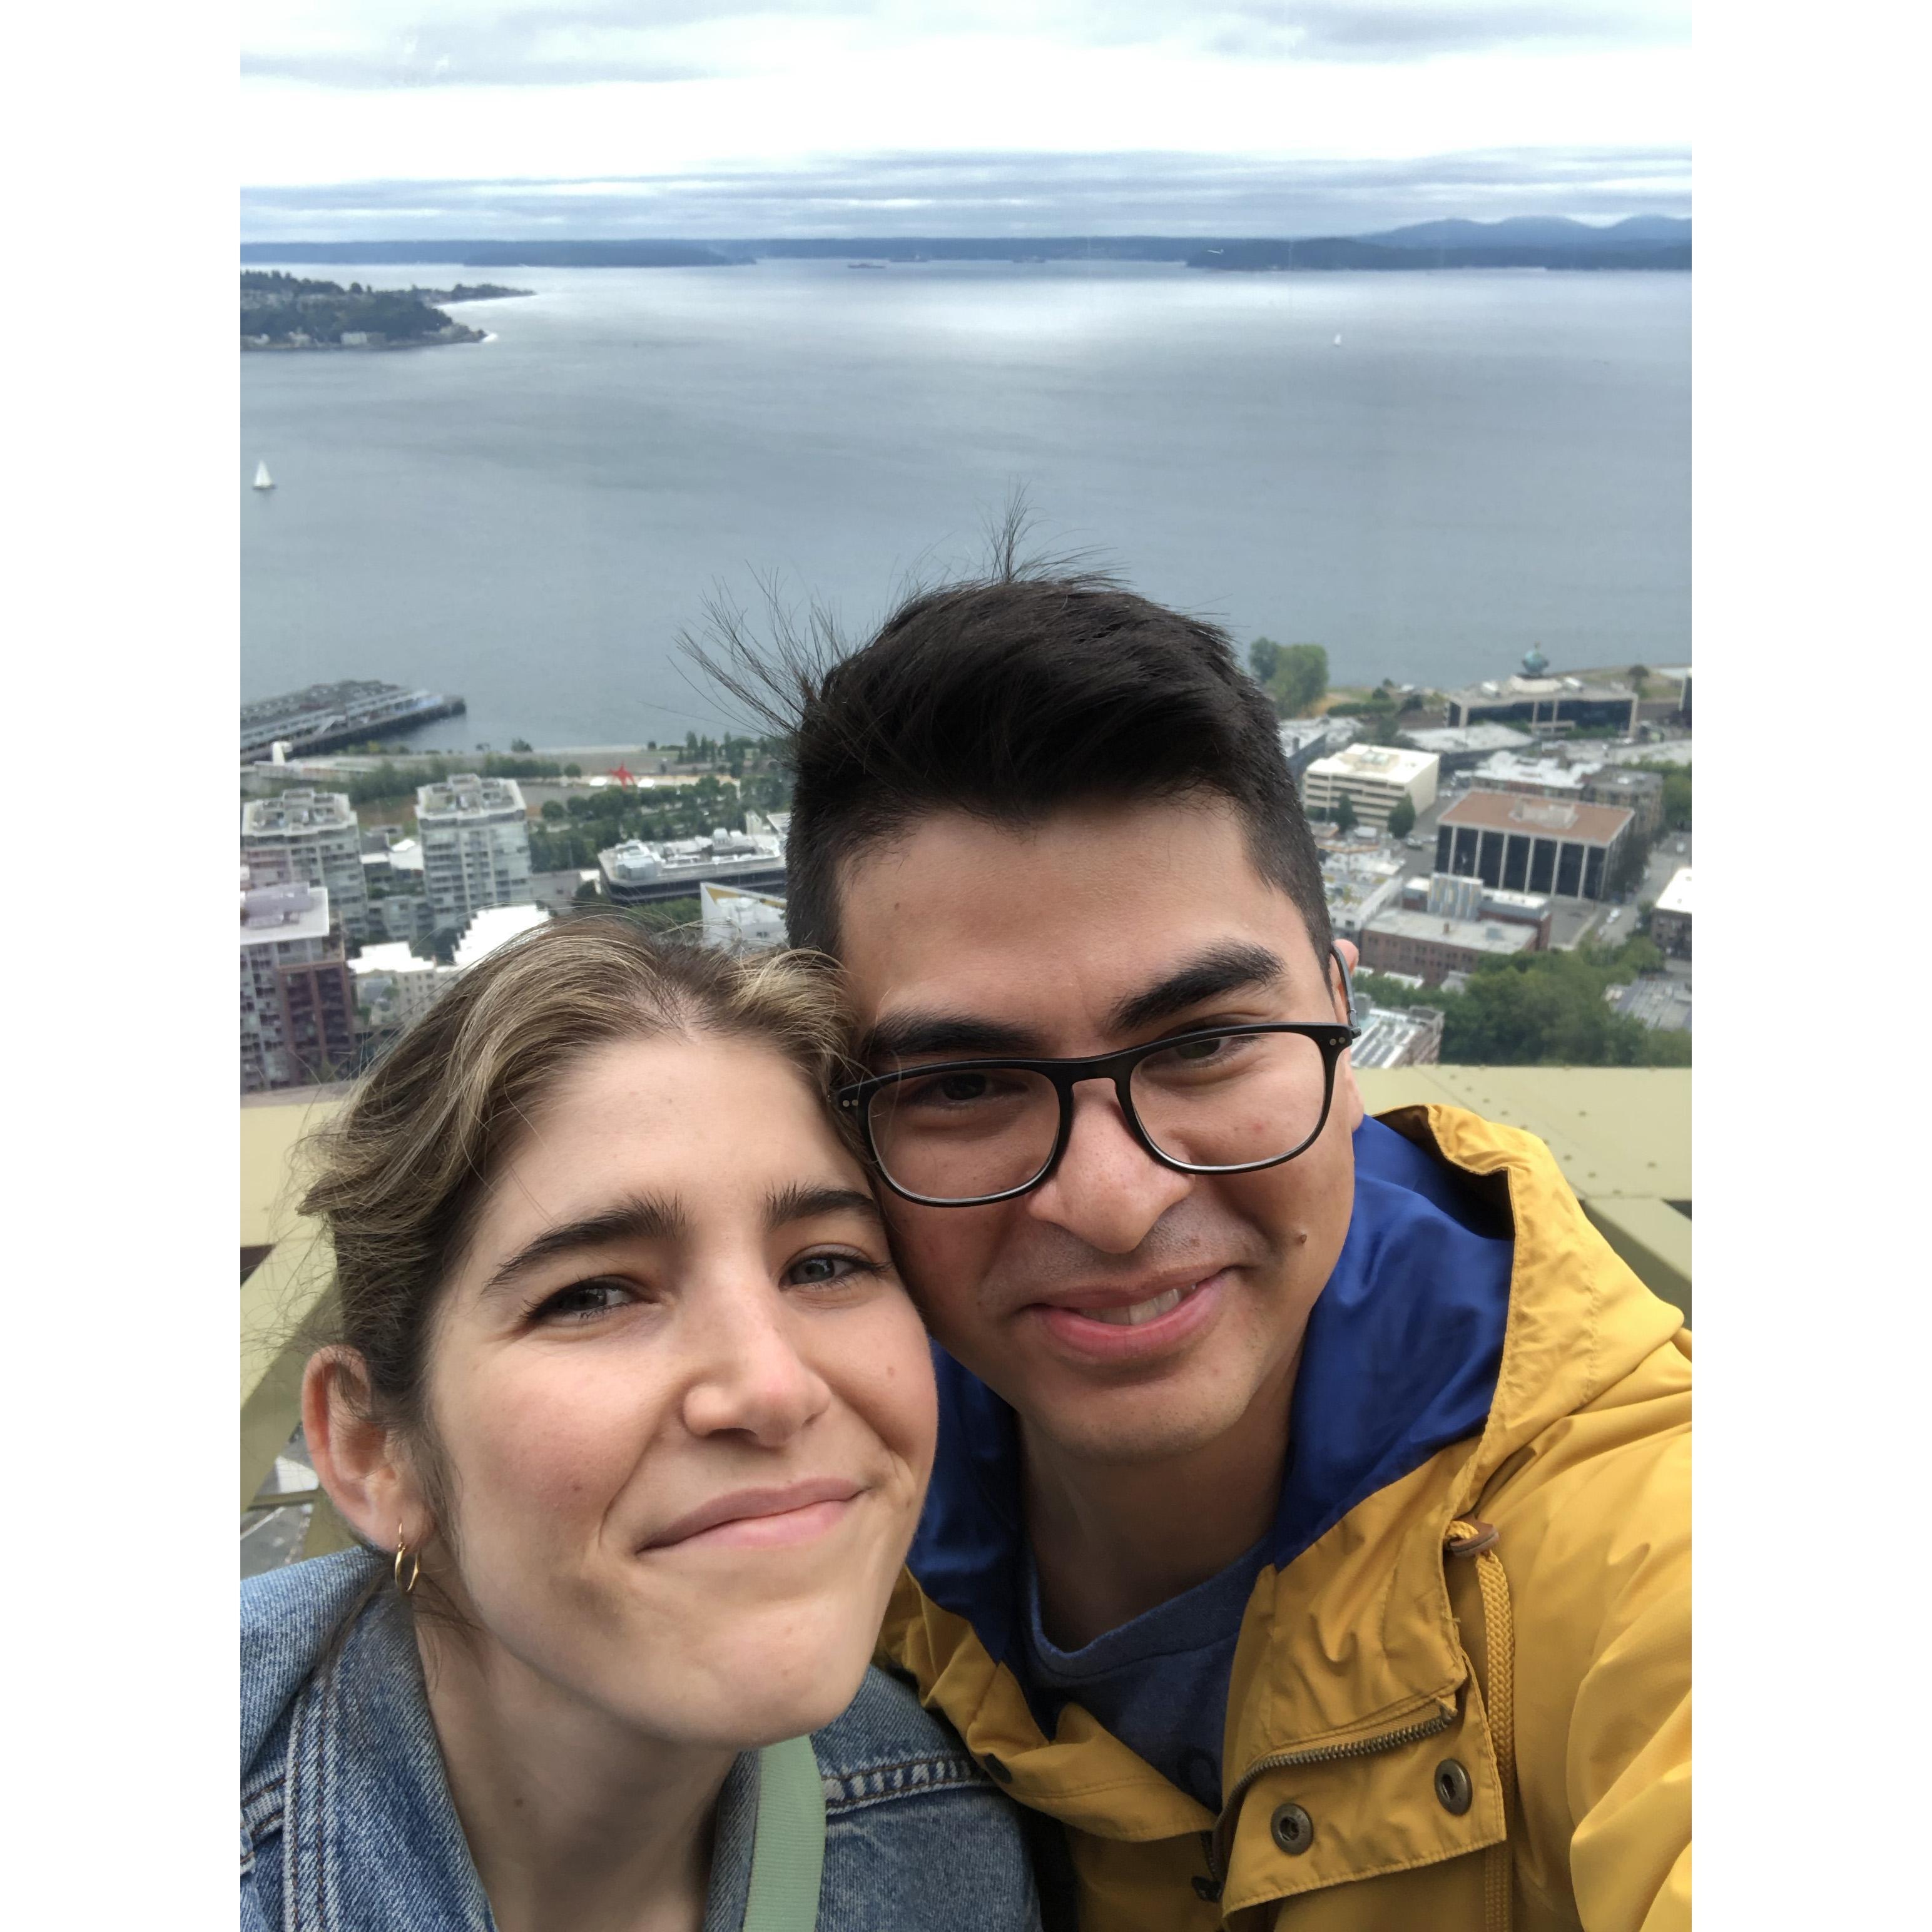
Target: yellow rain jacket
1465 1704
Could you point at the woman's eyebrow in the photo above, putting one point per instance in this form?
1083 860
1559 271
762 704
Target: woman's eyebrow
803 1201
644 1217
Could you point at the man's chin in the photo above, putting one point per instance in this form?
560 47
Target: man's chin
1123 1429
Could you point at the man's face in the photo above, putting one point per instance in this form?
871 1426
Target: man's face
1103 927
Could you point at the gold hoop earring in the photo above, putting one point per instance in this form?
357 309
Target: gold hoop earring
415 1562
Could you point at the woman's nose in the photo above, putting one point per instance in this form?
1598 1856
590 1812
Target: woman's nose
750 1377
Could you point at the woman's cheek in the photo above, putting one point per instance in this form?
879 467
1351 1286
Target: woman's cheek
566 1436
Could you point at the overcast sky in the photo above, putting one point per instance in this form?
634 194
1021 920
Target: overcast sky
800 117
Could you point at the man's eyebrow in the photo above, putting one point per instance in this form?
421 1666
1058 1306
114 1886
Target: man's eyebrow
802 1201
904 1036
1230 968
644 1217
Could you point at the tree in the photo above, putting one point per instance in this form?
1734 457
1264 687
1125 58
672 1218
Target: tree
553 808
1345 818
521 745
1628 868
1402 818
573 771
1639 676
1264 655
1301 679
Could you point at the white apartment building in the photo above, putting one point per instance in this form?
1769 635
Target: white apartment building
1371 777
475 840
310 838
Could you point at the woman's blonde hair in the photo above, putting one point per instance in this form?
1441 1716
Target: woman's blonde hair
401 1173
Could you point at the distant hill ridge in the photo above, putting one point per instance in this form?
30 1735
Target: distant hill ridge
1639 241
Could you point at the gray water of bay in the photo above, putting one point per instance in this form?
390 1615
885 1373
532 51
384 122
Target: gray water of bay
1487 460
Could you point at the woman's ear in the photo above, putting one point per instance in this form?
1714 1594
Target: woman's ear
358 1459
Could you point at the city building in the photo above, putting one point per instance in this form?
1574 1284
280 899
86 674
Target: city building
311 838
1459 750
1305 739
492 927
1449 897
1550 777
739 921
475 842
395 986
1670 917
1421 944
1641 792
1357 885
1548 706
1531 845
298 1010
636 872
1393 1036
1371 777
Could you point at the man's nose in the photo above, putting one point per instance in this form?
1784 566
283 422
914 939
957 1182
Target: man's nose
1108 1190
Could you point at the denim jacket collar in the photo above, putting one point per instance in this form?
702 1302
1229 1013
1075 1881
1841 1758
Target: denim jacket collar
370 1836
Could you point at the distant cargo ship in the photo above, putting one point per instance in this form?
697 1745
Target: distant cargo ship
326 717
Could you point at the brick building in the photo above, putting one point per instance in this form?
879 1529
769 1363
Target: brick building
298 1008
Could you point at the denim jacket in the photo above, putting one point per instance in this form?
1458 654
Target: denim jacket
347 1824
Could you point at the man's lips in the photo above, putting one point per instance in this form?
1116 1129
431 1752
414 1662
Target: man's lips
794 1512
1130 1322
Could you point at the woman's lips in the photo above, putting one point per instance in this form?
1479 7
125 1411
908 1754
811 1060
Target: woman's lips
761 1519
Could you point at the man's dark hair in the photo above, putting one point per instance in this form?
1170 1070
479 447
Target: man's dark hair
1011 697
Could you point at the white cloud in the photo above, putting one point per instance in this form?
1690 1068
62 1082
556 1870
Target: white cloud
970 94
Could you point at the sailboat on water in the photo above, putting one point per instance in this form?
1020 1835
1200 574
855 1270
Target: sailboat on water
263 480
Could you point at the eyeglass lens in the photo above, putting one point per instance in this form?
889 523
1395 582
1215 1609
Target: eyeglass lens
1229 1100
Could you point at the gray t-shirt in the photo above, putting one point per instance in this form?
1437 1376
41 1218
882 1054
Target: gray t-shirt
1159 1683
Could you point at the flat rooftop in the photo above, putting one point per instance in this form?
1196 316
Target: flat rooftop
1374 764
466 793
1387 1033
296 811
272 914
1445 741
1509 690
1505 768
1675 897
1538 818
1474 935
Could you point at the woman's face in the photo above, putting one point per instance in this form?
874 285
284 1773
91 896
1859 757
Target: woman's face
685 1410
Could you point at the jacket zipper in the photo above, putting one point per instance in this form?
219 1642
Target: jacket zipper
1427 1727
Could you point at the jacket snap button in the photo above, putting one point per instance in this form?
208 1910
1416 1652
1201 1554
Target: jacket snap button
1453 1788
995 1768
1294 1830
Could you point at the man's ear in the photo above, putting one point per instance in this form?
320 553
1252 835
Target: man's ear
1348 1095
358 1458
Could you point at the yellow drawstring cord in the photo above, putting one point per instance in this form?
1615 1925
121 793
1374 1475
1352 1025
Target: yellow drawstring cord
1469 1537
